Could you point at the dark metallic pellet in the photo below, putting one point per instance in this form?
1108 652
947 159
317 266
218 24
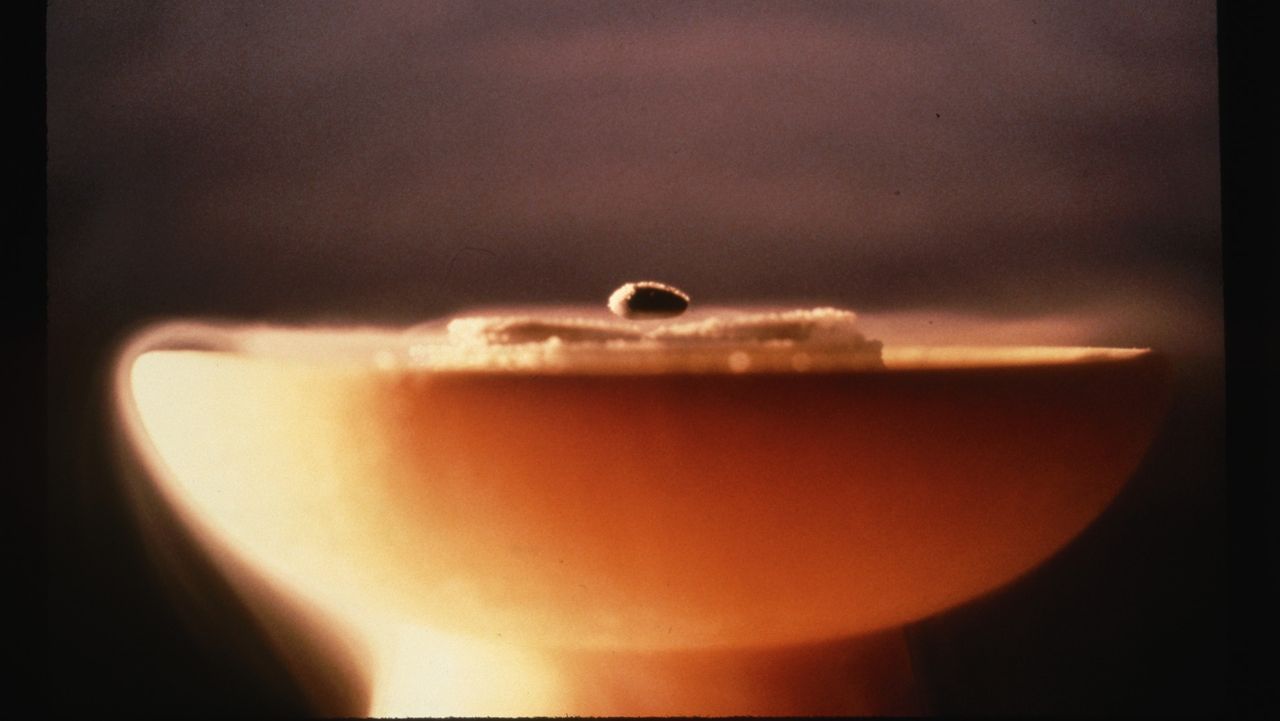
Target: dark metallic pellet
648 299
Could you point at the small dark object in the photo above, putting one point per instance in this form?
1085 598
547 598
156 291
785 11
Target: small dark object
648 299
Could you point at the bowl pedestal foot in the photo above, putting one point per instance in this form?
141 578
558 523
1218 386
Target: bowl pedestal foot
432 674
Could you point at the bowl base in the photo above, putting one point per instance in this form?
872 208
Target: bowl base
430 674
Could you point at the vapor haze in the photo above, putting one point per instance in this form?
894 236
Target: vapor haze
390 160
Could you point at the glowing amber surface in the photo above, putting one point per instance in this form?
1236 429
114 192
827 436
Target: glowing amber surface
668 511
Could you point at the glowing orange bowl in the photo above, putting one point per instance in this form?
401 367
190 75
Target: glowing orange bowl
646 511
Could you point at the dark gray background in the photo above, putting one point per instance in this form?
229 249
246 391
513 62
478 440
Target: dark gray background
389 162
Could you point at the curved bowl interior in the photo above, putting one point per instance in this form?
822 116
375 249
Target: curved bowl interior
659 511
